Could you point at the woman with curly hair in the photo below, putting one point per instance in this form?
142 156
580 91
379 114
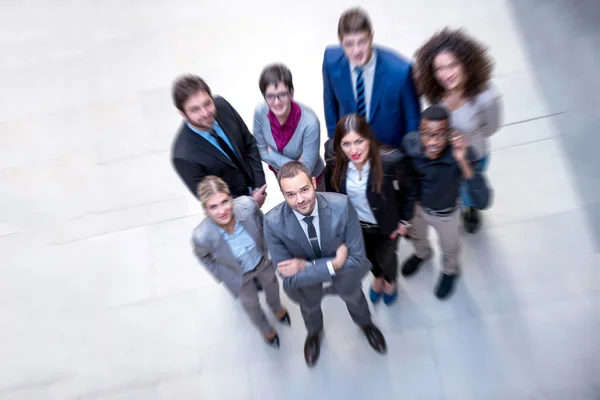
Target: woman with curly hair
454 69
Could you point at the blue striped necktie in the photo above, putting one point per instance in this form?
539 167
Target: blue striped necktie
361 104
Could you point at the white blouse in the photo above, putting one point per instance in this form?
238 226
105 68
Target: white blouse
356 189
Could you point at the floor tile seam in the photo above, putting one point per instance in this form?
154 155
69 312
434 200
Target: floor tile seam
119 230
147 300
537 118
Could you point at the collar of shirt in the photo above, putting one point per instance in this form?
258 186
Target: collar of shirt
282 133
315 212
369 67
292 118
366 168
200 131
236 230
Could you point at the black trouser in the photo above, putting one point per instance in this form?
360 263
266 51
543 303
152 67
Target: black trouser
381 251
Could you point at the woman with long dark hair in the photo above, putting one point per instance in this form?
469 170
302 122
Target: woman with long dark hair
455 70
381 185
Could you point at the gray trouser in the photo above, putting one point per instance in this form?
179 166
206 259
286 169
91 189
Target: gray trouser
309 299
265 273
447 227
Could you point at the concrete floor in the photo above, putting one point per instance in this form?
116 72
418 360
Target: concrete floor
101 297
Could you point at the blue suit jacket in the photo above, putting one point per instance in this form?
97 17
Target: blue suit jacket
395 108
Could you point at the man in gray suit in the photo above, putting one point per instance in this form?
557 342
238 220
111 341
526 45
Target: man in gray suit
316 242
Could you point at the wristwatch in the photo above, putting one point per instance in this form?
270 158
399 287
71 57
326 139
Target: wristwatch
406 224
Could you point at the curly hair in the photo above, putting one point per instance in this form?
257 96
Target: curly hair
472 54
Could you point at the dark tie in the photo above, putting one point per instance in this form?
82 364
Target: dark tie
223 145
361 104
312 236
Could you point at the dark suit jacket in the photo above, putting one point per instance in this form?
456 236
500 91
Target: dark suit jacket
395 107
396 202
339 224
195 157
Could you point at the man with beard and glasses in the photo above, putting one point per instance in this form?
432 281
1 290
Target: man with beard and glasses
214 140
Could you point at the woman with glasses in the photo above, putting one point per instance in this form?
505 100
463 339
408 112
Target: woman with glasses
381 185
454 70
284 129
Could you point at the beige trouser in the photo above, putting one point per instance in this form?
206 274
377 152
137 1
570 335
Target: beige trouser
265 273
447 227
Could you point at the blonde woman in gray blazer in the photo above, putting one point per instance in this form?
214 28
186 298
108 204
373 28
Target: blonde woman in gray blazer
229 243
284 129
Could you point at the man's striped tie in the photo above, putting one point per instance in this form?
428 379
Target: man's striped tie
361 104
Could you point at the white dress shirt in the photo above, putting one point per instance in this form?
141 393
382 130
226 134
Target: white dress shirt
368 78
315 221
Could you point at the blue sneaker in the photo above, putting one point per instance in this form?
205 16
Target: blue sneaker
374 296
389 299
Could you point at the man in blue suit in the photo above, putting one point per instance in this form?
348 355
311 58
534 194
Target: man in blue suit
369 80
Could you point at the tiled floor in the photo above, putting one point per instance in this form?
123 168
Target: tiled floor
563 40
101 298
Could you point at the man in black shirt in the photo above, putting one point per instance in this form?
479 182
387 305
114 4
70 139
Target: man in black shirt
442 160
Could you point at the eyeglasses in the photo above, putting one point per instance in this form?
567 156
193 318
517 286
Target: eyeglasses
435 135
271 97
349 44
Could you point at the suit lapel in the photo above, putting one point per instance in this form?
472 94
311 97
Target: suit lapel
208 148
378 86
252 230
370 193
223 252
325 225
227 129
343 189
266 122
347 83
297 234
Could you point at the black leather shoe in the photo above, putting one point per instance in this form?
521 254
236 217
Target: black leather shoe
273 342
411 265
286 319
444 286
471 219
312 349
375 338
